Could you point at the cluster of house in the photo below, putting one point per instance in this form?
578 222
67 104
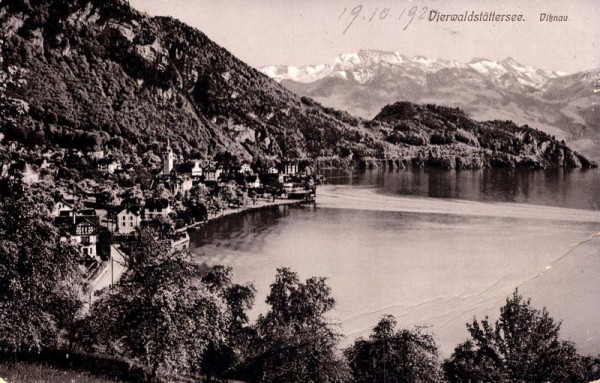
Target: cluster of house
183 176
81 221
82 225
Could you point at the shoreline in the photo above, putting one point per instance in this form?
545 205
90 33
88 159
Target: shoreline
260 204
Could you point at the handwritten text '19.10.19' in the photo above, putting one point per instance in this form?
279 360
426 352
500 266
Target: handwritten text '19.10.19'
360 13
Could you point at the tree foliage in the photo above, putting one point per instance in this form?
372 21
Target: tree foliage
39 279
522 346
295 342
159 314
171 315
223 359
394 356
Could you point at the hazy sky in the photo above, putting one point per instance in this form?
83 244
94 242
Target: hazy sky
301 32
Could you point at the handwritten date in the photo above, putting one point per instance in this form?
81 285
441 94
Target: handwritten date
359 12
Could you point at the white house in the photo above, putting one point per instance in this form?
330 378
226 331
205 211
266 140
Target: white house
157 207
128 220
212 174
192 169
185 183
253 182
86 236
272 170
81 231
197 170
290 168
246 168
61 205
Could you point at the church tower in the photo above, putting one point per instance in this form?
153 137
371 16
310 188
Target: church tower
168 157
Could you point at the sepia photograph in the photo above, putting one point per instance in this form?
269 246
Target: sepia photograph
299 191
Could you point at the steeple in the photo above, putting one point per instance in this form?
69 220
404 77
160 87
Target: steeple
168 157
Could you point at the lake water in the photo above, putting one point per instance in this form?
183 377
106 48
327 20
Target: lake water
432 248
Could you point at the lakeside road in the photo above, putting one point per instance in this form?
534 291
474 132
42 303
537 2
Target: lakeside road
111 272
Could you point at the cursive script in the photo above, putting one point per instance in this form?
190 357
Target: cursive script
360 13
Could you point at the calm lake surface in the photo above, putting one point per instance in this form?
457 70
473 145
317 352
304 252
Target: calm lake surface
432 248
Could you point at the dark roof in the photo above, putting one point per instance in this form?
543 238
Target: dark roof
157 204
79 213
66 224
107 161
132 209
185 167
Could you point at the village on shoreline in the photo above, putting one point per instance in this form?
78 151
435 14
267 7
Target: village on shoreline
103 210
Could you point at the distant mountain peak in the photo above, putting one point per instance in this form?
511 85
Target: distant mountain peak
511 61
477 60
365 81
363 65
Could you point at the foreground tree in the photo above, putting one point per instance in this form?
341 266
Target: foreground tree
39 276
522 346
394 356
223 359
159 313
295 342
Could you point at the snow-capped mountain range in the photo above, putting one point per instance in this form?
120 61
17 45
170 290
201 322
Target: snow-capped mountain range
362 66
362 83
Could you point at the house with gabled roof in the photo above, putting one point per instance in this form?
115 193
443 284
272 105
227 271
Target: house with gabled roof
212 173
157 207
253 182
128 219
81 230
192 168
63 204
246 168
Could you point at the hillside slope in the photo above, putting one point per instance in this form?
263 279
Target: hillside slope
95 73
363 82
102 69
445 137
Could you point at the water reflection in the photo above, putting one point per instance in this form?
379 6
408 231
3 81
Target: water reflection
564 188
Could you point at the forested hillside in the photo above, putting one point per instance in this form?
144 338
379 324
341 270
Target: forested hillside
88 73
97 74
